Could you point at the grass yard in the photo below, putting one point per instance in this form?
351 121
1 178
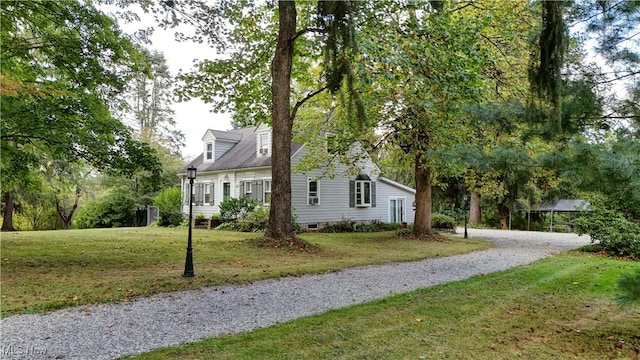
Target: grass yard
557 308
47 270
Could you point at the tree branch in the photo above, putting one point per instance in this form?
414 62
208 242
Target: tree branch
305 99
304 31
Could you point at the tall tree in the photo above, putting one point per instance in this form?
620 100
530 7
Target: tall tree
149 97
254 77
426 61
279 225
62 64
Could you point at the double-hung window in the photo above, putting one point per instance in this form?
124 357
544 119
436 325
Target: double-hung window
247 189
209 151
226 191
313 193
267 191
208 194
263 144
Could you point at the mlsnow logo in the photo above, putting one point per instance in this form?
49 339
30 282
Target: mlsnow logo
13 350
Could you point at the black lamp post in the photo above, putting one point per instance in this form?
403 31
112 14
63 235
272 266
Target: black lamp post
188 266
465 198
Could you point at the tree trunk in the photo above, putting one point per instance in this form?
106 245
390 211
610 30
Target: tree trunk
279 226
62 211
475 213
422 220
503 210
7 220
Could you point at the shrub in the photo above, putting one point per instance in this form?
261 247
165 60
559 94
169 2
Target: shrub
169 203
115 209
259 217
617 235
235 209
443 222
389 226
342 226
366 228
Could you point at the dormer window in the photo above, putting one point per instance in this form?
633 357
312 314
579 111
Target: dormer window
208 153
264 144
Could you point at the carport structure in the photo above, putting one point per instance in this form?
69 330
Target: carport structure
569 206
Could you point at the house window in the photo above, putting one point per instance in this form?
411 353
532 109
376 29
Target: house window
396 210
226 191
263 144
208 194
209 151
362 192
247 189
267 191
313 197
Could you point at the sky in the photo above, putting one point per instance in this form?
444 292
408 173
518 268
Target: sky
193 118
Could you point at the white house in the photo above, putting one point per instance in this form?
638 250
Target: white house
237 163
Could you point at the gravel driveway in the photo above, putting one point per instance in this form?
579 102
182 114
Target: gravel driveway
112 330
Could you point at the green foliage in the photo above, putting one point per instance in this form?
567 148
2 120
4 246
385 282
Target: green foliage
341 227
443 222
388 226
169 202
236 209
629 288
366 228
404 232
116 209
228 226
346 226
63 65
58 101
256 220
617 235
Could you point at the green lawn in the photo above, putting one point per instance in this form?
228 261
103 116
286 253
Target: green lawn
48 270
557 308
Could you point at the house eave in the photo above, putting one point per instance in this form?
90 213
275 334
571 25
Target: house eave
396 184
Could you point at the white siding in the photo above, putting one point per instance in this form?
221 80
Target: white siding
333 194
333 203
235 178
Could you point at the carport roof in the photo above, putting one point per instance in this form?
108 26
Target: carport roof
565 205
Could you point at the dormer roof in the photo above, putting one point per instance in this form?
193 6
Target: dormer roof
229 136
242 155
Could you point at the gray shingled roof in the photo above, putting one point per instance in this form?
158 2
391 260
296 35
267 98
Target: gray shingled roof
565 205
241 156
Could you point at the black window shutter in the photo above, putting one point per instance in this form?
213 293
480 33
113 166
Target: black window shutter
373 194
211 198
352 193
198 195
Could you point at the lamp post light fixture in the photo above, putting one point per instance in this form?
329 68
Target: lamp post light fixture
188 266
465 198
